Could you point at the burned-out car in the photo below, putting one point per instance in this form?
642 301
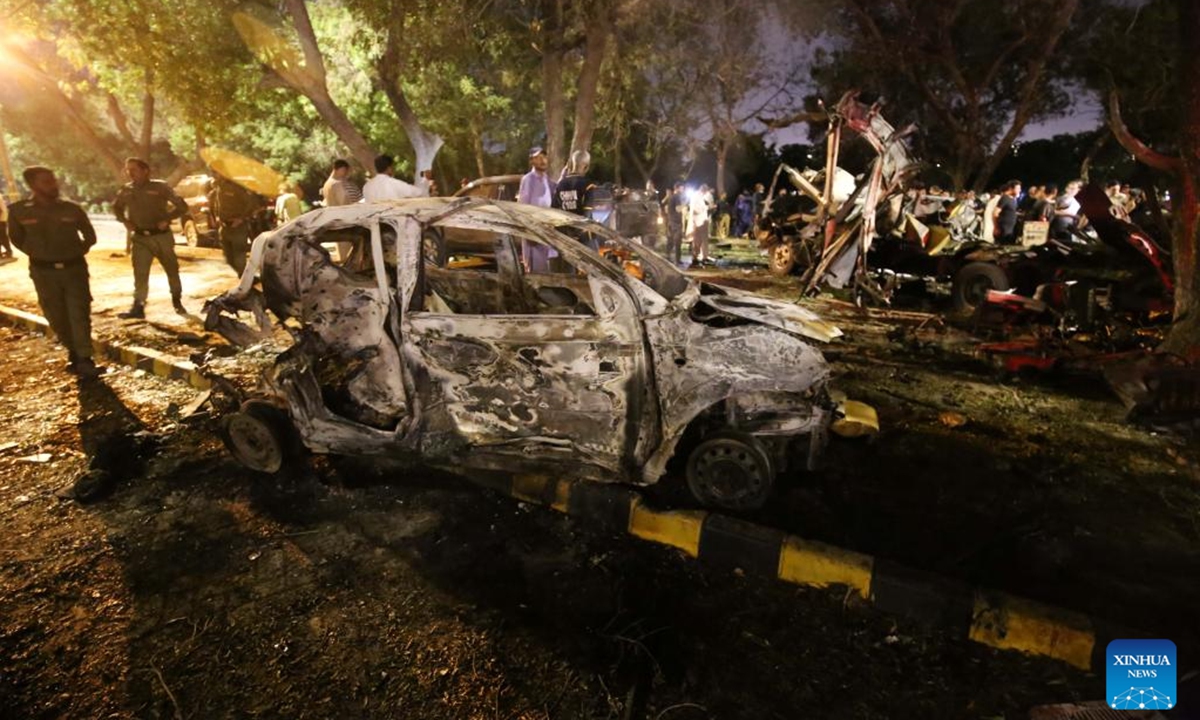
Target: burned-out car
478 364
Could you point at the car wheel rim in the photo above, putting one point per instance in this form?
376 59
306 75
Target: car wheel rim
253 443
782 254
977 289
729 473
432 250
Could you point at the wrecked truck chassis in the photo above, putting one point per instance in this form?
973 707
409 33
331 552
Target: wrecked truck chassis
589 371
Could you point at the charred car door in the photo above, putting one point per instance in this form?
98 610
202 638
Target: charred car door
525 370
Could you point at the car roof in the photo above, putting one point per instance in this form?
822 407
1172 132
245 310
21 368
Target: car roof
490 180
428 208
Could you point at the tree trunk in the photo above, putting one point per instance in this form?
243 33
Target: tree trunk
616 155
477 147
147 122
389 69
310 82
1030 88
425 144
187 166
333 115
589 80
1185 330
120 121
722 156
553 108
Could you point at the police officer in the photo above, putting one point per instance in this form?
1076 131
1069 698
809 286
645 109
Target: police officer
235 207
56 236
146 207
574 191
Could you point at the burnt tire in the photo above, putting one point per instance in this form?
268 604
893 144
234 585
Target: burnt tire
730 471
191 233
781 258
260 436
433 247
972 283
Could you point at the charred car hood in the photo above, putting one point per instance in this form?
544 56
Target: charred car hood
784 316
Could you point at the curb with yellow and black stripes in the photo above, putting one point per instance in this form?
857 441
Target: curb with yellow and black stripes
139 358
989 617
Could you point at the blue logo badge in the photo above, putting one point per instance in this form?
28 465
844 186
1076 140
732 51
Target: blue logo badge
1141 675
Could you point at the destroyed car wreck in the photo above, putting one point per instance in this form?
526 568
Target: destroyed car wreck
474 363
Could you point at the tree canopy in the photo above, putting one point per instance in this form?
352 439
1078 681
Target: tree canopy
655 90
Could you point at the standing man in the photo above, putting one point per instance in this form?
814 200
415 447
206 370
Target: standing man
757 198
146 208
674 206
1066 212
235 208
56 236
339 189
574 192
1006 213
1043 209
536 189
743 211
699 208
385 186
287 206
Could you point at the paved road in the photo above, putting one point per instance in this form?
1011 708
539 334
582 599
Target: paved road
203 271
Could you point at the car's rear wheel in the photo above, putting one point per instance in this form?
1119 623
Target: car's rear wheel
781 258
259 436
972 283
732 471
191 233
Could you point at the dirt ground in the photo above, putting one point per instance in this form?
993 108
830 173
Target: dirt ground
196 590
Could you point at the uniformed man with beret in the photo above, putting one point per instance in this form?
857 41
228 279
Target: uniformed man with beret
146 207
56 236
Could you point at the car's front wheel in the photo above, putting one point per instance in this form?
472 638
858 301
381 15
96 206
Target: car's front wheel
732 471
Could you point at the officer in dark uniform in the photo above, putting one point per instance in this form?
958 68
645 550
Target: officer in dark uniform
56 236
236 208
146 207
574 191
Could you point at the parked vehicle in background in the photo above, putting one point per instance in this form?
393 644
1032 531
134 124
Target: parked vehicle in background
199 227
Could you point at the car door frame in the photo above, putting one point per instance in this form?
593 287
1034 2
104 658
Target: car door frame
483 444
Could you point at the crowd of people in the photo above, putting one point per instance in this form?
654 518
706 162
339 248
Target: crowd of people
1011 209
56 234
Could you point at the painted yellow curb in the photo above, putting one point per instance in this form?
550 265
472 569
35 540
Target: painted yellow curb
677 528
152 361
806 562
1012 623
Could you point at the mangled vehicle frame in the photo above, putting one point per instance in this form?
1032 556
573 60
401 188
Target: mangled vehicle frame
869 234
470 362
832 242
